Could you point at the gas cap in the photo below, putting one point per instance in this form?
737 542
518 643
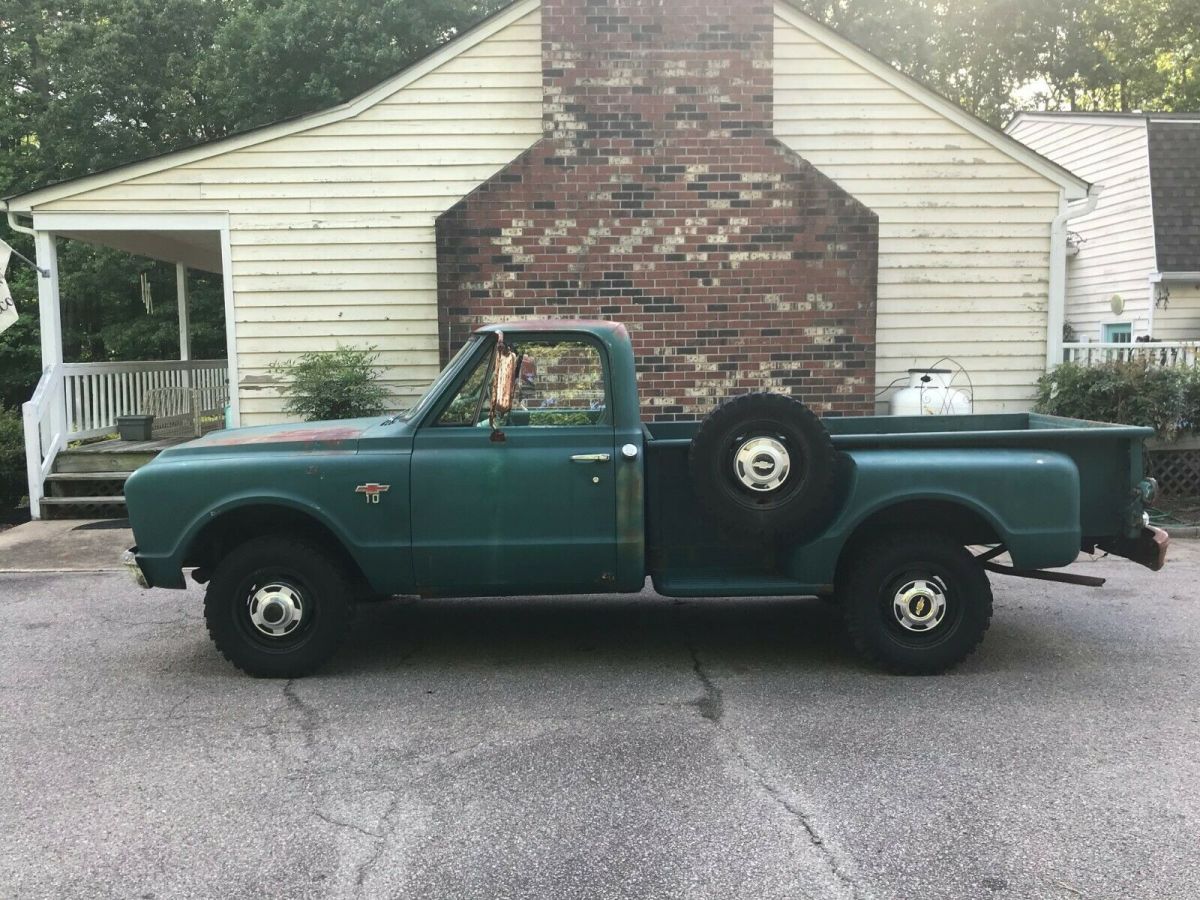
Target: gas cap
629 451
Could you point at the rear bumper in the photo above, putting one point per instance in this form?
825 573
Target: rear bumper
130 561
1148 549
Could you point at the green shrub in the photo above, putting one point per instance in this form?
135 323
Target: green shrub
1130 393
336 384
12 459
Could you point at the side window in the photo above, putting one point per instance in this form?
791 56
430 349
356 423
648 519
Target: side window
559 383
465 408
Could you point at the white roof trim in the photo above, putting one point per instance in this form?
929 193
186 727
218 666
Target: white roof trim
1060 118
1074 187
55 220
468 39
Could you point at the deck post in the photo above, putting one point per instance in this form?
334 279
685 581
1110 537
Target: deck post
49 310
185 333
181 290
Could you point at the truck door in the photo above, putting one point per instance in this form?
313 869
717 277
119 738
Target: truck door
535 512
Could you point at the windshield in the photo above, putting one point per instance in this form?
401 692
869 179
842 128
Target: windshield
439 383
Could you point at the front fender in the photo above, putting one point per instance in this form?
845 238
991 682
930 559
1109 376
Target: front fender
171 502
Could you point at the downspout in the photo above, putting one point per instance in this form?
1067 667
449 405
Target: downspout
1057 287
17 226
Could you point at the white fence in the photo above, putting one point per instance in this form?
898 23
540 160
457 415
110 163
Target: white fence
1158 353
45 433
96 393
81 400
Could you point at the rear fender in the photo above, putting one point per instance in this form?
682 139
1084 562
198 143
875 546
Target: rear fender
1028 499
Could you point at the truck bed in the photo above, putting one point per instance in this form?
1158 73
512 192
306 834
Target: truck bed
688 554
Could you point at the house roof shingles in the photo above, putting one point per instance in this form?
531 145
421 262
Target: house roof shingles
1175 191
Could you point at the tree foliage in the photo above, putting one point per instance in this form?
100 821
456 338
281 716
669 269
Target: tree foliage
1164 398
994 57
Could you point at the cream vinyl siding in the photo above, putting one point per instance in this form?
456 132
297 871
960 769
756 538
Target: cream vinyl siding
1180 320
332 228
964 228
1117 255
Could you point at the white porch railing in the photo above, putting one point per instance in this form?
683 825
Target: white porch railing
81 400
45 433
1158 353
96 393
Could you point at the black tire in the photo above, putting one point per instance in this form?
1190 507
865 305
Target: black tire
915 566
801 503
273 576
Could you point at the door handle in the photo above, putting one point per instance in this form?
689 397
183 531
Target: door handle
591 457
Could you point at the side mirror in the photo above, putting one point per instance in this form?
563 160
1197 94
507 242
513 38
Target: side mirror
504 381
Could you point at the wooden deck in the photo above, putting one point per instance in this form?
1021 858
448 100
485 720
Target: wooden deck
113 455
116 445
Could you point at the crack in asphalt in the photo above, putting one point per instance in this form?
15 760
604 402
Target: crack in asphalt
309 718
325 817
803 818
711 707
387 829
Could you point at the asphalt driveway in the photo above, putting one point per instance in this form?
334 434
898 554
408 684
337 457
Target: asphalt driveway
612 747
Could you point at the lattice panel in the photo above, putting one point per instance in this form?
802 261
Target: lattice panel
1177 471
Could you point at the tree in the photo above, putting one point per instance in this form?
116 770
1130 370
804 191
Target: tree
91 84
273 59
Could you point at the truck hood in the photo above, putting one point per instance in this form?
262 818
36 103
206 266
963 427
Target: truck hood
338 436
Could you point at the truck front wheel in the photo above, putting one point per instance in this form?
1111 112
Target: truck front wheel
278 607
915 604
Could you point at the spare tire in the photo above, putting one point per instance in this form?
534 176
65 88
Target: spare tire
765 464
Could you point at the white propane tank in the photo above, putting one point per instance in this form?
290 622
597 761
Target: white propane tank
929 393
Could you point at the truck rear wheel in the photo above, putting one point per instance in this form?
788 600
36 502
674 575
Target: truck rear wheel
764 463
915 604
278 607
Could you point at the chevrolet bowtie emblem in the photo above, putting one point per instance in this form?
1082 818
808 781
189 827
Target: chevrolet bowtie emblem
372 490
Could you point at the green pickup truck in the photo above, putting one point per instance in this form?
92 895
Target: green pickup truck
526 468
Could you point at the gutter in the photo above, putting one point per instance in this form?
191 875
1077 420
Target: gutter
1157 277
17 226
1057 288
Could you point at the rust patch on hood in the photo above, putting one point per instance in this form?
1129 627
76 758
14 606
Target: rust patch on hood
325 436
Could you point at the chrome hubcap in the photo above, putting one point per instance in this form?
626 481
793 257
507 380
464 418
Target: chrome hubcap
920 605
276 609
762 463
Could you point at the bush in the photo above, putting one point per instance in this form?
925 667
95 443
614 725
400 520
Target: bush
1129 393
337 384
12 459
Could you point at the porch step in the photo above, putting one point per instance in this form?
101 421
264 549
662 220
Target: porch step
87 476
88 480
117 500
111 463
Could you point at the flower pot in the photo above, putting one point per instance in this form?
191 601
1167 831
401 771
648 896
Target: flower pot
134 428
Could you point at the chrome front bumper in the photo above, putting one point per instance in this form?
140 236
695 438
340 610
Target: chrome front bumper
129 561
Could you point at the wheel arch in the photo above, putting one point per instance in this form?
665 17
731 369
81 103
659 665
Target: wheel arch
971 523
231 524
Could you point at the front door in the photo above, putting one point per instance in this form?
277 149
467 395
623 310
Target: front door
536 512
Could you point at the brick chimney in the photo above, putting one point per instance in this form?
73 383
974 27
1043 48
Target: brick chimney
659 197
